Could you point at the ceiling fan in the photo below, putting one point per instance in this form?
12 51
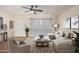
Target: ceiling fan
33 8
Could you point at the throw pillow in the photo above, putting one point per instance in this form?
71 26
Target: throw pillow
70 35
22 42
63 34
52 37
15 42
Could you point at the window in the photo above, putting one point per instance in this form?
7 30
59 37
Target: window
41 26
67 23
72 22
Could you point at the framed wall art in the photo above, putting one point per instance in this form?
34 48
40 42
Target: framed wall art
11 24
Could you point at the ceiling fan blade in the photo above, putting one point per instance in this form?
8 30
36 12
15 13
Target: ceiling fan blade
24 7
38 10
33 8
27 11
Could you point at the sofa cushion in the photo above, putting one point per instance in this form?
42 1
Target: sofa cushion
63 34
70 35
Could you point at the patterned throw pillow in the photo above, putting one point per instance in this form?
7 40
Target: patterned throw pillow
70 35
22 42
52 37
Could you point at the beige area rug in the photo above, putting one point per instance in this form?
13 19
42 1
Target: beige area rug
35 49
42 49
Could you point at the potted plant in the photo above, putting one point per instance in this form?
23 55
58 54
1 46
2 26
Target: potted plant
76 42
27 31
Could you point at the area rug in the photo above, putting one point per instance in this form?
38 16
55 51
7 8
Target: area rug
35 49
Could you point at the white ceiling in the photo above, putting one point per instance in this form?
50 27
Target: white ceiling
47 9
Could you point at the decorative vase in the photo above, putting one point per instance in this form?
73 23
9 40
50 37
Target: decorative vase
27 31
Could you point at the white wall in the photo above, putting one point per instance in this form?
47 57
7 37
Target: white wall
69 13
19 24
6 18
20 21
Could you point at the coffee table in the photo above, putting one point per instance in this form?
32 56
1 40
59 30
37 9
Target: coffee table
42 43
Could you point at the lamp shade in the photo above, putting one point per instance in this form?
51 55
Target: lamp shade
55 25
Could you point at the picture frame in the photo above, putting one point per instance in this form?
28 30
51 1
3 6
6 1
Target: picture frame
11 24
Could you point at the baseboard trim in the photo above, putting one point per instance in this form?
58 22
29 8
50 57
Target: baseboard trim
20 36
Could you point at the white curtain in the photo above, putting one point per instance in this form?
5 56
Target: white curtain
41 26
